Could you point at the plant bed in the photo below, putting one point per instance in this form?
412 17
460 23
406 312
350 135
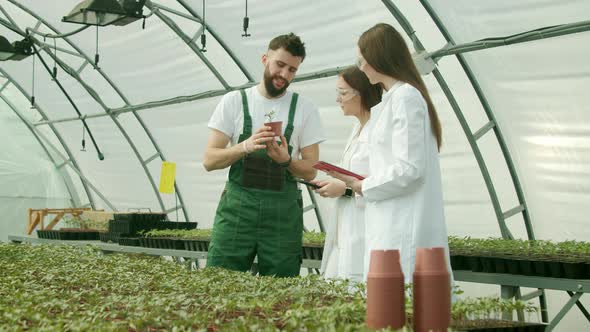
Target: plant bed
500 265
312 251
131 227
474 263
78 234
512 266
541 268
69 234
140 216
567 259
144 293
196 245
573 270
177 225
110 237
555 269
492 325
488 264
526 267
459 262
129 241
166 243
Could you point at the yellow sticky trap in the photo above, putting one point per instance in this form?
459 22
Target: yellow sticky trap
167 177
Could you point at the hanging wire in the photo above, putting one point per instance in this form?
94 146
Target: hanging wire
33 86
203 37
54 73
83 138
82 118
246 22
96 56
176 200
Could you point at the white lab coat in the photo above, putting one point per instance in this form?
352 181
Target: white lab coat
404 202
344 248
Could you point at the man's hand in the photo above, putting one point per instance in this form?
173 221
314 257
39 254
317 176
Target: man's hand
278 153
219 156
258 140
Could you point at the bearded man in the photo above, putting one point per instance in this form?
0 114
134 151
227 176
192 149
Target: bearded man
260 212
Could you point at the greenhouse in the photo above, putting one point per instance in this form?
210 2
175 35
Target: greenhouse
110 189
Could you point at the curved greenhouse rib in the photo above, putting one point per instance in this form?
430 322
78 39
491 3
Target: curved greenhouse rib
74 199
220 41
499 137
126 101
492 120
185 99
459 114
74 164
188 40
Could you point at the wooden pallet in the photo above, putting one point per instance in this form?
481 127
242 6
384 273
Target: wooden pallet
37 217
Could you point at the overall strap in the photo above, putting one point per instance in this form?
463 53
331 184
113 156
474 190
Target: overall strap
247 129
289 129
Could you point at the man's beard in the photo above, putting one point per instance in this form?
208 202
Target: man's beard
270 88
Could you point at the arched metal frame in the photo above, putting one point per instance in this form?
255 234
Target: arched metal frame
69 160
506 292
75 75
472 137
133 108
74 199
457 50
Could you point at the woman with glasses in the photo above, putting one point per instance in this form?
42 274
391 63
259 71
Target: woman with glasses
403 191
344 246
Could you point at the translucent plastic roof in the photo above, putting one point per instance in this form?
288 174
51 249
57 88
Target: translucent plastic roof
148 100
510 85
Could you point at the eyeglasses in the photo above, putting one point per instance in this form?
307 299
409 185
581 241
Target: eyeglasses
344 95
360 62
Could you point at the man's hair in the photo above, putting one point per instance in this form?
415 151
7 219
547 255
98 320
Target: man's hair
290 42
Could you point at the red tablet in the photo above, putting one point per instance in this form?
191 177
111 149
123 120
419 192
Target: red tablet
327 167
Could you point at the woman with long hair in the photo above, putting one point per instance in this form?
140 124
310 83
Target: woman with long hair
345 242
403 190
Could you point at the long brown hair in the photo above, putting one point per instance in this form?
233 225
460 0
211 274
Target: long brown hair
370 93
386 51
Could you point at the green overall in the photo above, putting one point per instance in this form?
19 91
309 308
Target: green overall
259 213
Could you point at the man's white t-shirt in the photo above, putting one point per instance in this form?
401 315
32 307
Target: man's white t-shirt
229 117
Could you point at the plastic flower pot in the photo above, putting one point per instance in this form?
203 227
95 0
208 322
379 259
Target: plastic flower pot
574 270
475 263
276 127
431 291
500 264
512 266
555 269
488 264
540 268
526 267
312 251
385 291
129 241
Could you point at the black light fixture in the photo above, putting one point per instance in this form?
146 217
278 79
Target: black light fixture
15 51
106 12
133 11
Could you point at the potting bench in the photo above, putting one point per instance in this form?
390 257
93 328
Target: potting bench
111 248
37 216
510 287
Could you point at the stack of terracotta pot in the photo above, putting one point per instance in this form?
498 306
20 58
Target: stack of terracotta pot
431 291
